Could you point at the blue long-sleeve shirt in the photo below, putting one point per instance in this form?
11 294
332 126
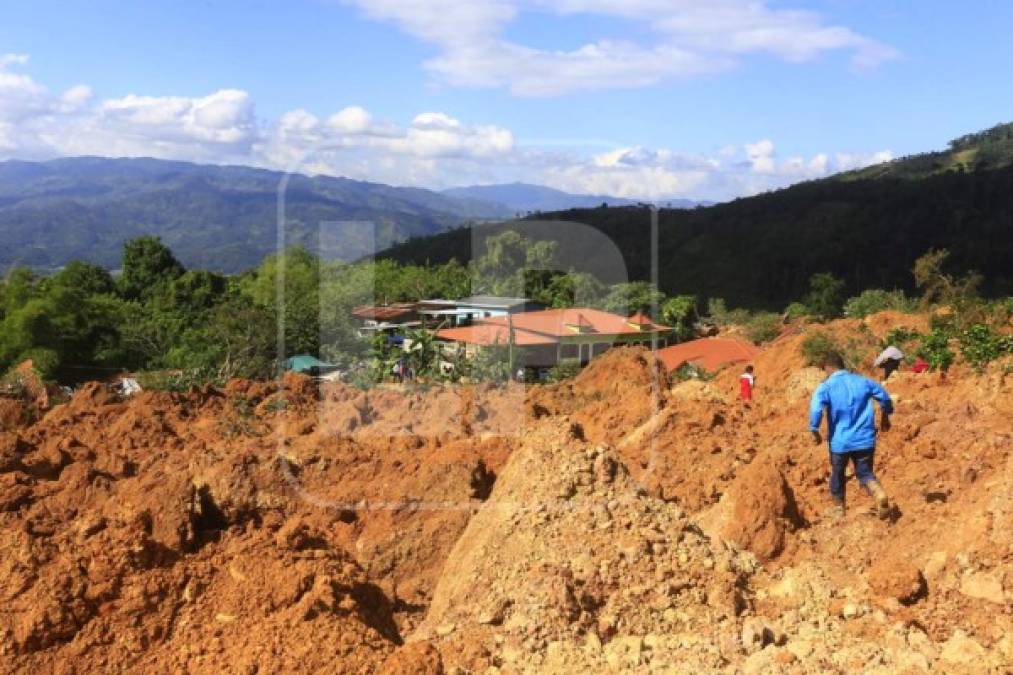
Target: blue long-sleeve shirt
851 419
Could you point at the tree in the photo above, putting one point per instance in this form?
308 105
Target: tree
635 296
148 265
85 277
288 285
937 286
826 296
514 265
680 313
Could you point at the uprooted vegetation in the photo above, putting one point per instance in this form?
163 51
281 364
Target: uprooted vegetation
608 522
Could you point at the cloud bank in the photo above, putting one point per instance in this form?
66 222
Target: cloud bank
433 149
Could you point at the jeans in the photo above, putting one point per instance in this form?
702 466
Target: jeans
862 459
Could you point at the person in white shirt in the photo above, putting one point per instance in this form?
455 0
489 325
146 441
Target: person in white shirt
889 360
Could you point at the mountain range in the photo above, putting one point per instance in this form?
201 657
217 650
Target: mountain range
225 218
524 198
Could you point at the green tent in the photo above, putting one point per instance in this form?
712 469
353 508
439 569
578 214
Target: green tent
305 363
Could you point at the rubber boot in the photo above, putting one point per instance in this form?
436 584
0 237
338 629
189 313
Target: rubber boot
879 494
836 511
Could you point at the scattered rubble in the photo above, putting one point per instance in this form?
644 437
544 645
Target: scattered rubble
610 523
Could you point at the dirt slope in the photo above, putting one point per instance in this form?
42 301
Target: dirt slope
610 523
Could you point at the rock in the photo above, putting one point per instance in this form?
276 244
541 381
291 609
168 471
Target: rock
935 564
897 579
757 633
445 629
763 509
961 649
851 611
983 586
800 648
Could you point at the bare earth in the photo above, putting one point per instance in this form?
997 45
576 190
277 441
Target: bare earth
608 524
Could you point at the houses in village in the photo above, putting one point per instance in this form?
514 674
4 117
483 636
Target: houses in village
543 338
537 338
533 338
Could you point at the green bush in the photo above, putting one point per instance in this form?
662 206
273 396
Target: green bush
688 371
564 370
796 310
763 327
935 348
980 345
720 314
877 300
900 336
816 346
45 362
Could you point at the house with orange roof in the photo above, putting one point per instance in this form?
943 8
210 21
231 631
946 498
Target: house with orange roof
544 338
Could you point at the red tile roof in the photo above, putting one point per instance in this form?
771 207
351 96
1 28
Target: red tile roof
707 353
641 320
566 322
487 334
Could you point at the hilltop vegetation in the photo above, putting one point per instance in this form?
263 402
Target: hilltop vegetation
981 151
867 228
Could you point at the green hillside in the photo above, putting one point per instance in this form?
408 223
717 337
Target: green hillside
867 227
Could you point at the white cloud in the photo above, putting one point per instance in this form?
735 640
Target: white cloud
688 37
434 149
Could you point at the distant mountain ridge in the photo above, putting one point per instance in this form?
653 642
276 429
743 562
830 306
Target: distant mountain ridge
222 218
524 198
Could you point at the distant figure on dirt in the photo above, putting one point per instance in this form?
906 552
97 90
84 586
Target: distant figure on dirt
920 365
851 426
889 360
746 383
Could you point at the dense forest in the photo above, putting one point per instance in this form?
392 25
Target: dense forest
761 251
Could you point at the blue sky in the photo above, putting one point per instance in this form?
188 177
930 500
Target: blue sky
644 98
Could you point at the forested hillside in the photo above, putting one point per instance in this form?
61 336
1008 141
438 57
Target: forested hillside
866 227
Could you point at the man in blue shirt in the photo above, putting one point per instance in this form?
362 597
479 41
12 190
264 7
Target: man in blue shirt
851 426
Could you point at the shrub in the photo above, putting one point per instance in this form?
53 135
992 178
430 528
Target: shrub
900 336
564 370
816 346
876 300
763 327
720 314
935 349
688 371
979 345
796 310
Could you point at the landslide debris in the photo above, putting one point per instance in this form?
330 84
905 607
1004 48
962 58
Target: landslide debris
615 522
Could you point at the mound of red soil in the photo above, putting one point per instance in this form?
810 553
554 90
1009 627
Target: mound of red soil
610 522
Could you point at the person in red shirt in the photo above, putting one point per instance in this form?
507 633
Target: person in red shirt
746 383
920 365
